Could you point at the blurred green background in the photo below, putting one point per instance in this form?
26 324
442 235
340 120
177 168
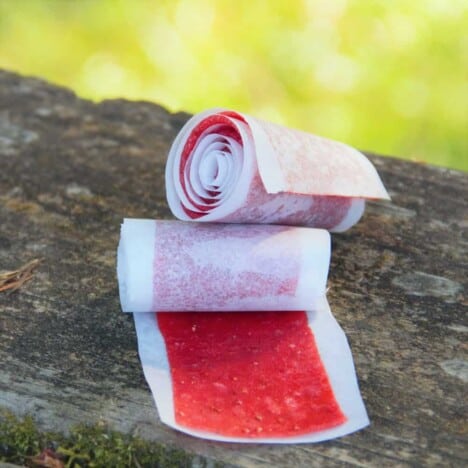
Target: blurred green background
385 76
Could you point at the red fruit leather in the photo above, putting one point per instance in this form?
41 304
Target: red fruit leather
248 374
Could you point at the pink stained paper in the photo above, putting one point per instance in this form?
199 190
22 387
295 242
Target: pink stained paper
229 167
176 266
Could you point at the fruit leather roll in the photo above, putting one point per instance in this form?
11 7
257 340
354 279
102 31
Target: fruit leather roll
235 334
225 166
174 266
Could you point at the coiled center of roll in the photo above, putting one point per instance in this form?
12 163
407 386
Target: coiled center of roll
211 163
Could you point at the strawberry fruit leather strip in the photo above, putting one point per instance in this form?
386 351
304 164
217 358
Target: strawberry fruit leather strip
228 167
248 375
239 376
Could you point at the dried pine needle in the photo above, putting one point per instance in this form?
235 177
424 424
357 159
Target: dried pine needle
13 280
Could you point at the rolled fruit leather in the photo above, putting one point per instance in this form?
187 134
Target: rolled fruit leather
177 266
228 167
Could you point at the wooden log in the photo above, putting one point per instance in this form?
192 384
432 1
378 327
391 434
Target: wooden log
70 170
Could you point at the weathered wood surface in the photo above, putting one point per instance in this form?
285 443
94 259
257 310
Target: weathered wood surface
70 170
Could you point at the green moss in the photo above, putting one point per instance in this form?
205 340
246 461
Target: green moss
84 446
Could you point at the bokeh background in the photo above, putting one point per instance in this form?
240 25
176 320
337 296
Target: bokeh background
385 76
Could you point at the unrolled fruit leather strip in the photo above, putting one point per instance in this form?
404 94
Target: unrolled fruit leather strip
225 166
280 377
177 266
271 377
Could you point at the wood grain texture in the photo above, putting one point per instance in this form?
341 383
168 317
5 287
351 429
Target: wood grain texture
70 170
